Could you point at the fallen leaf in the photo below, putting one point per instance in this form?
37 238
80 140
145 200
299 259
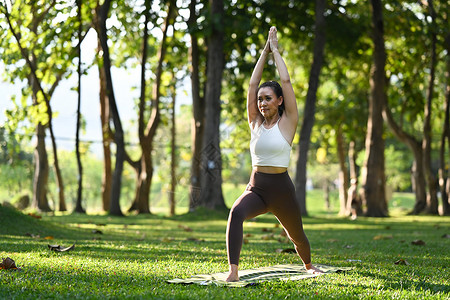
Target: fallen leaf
402 262
247 235
266 230
267 237
35 216
49 237
287 250
96 231
185 228
8 263
418 242
58 248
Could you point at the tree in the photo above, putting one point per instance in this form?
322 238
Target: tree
310 105
211 161
105 118
398 112
102 15
147 130
36 42
173 149
373 184
198 108
444 179
432 202
404 111
78 207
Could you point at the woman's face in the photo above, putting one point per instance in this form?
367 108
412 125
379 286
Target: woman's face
268 102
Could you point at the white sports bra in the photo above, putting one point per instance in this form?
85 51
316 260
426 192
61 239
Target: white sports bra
268 147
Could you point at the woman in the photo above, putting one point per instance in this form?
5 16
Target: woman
272 116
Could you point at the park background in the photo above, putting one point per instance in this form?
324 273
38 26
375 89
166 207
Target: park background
346 75
152 123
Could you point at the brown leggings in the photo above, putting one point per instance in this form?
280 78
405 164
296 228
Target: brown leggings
273 193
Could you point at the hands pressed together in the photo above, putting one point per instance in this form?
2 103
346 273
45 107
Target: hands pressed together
272 41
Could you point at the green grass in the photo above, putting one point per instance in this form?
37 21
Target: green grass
135 255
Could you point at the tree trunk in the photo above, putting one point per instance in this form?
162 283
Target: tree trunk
147 134
343 172
173 156
198 107
432 201
353 168
102 13
41 171
105 117
79 207
444 179
211 161
144 181
36 87
106 138
137 166
326 193
417 173
418 179
145 171
310 105
373 175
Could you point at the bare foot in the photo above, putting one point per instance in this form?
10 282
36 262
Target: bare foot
233 274
312 270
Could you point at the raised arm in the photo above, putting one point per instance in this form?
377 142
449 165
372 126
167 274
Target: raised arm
289 120
253 114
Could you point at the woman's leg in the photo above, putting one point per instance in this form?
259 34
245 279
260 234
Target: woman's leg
291 220
282 203
248 206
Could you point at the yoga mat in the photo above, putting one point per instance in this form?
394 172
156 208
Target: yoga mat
255 276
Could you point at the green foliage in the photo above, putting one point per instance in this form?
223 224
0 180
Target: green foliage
408 64
48 30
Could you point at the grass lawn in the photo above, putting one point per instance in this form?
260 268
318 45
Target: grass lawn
133 256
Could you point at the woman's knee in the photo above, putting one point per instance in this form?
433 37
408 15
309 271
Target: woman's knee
237 214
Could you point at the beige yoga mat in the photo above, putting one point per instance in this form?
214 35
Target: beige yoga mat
255 276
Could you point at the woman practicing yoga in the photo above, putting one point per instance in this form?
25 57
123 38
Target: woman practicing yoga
272 116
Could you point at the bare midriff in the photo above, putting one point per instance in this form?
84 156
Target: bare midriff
269 170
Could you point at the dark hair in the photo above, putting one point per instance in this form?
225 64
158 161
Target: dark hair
276 88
